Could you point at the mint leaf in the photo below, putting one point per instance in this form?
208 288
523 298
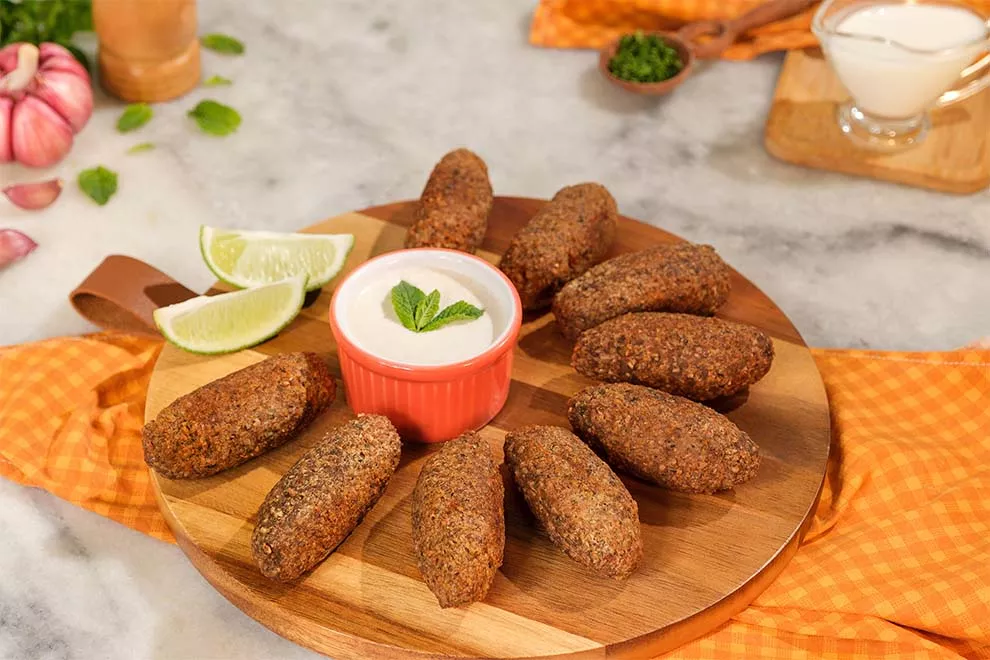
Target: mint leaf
217 81
405 300
459 311
222 43
98 183
427 309
134 116
138 148
215 118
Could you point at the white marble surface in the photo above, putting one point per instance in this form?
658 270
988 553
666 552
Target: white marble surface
348 104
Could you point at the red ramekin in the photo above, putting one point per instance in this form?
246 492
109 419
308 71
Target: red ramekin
430 403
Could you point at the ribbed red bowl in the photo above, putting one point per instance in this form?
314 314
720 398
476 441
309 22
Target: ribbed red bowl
429 403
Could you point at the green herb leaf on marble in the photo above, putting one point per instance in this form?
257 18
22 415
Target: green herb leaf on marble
222 43
217 81
215 118
134 117
138 148
98 183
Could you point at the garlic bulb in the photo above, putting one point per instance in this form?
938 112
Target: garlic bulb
45 99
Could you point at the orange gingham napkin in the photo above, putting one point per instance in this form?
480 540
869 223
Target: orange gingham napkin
593 23
896 564
71 412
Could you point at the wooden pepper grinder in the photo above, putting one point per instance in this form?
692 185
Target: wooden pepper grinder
148 49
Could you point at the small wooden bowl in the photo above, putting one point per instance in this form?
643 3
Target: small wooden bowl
650 89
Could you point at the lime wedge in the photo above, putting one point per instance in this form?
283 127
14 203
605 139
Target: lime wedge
231 321
251 258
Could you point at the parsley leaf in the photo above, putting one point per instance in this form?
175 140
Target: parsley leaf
645 59
134 116
98 183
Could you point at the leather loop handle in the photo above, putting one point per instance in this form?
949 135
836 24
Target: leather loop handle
122 293
725 33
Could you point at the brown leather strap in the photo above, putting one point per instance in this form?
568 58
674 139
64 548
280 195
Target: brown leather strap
122 293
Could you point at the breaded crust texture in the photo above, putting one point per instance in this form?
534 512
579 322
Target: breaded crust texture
696 357
458 521
324 496
566 237
453 210
686 278
238 417
668 440
584 508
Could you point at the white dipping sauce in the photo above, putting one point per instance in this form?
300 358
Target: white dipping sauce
888 81
373 325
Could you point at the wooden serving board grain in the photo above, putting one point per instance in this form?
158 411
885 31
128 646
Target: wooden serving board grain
706 556
802 129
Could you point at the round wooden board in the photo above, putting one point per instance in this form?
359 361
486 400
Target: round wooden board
706 556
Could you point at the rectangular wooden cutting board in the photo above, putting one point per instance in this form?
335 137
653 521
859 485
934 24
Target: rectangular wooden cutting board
802 129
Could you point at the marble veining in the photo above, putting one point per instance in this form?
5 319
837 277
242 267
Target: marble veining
349 104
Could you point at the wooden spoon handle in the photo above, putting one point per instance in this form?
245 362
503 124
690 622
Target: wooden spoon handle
725 33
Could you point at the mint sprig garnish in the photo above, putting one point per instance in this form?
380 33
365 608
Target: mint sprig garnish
427 309
418 311
405 298
459 311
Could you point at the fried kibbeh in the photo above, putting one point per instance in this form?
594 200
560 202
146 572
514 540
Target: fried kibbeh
566 237
453 210
697 357
238 417
458 521
324 496
583 506
685 278
665 439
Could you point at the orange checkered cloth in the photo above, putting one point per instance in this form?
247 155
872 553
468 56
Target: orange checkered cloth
896 564
593 23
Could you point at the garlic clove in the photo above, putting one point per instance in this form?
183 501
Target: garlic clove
34 196
6 144
14 246
57 58
40 136
68 93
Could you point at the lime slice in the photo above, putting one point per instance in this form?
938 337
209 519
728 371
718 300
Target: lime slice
250 258
231 321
